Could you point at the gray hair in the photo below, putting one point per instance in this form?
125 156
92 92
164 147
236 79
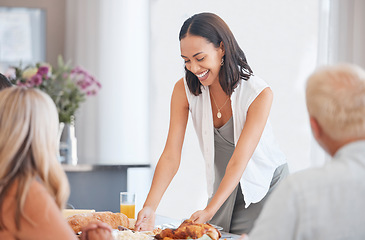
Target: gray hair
335 96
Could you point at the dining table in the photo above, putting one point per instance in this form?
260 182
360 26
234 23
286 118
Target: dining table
167 222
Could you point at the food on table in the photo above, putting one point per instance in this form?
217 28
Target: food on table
189 230
131 235
132 223
69 212
79 221
156 231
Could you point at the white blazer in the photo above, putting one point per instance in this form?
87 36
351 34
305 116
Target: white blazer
256 179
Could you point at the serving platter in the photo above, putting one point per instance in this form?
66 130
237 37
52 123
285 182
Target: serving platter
174 226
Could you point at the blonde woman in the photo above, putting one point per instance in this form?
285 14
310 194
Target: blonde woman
33 185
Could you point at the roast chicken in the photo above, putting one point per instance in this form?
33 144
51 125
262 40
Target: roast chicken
189 230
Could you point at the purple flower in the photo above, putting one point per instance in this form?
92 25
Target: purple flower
85 81
91 92
21 84
77 80
36 80
43 71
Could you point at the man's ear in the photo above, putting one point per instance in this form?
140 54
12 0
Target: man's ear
316 128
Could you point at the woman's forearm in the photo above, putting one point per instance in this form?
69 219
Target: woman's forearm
169 161
164 173
229 182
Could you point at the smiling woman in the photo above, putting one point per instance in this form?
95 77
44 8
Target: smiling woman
243 162
276 50
218 44
202 59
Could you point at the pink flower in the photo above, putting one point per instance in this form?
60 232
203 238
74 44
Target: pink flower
20 84
91 92
43 71
35 80
66 86
85 81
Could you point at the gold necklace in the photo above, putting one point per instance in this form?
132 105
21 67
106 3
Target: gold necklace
219 114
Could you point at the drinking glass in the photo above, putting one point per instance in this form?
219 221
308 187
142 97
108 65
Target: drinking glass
128 204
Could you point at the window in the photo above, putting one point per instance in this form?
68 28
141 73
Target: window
22 36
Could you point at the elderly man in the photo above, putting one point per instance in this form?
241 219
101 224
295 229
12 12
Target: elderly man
327 202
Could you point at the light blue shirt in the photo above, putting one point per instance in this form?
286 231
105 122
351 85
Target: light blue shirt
326 203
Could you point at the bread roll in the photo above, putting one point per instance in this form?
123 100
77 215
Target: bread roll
79 221
69 212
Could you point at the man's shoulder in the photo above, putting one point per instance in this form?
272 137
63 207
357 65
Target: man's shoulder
305 180
332 174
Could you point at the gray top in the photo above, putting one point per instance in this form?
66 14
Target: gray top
233 216
319 203
224 147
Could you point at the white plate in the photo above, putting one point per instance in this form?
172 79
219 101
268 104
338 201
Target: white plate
174 226
217 227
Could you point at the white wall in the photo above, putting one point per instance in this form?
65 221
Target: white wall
280 42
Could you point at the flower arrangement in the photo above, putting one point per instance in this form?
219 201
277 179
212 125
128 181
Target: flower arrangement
67 86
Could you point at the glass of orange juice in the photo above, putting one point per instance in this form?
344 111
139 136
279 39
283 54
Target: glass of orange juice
128 204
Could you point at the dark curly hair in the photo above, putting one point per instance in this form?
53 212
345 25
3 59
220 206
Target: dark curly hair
4 82
215 30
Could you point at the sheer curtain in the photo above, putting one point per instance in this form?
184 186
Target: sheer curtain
341 40
110 39
345 34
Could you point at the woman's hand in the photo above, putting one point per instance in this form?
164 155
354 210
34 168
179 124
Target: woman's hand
201 216
97 231
145 219
243 237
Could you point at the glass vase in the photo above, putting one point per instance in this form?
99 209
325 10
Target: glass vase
68 143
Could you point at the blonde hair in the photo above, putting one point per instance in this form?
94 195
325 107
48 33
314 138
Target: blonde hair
335 96
29 147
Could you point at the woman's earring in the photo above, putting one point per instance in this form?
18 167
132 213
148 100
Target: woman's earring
222 61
